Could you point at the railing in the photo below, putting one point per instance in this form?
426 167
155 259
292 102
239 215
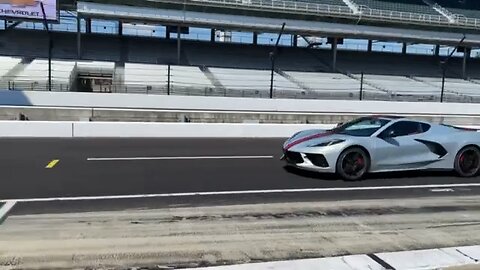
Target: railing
256 85
400 15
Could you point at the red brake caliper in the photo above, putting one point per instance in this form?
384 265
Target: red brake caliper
360 161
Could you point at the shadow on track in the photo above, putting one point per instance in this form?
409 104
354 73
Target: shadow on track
373 176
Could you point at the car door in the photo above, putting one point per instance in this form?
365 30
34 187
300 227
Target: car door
397 147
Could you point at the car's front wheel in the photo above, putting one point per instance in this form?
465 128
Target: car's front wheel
467 161
353 164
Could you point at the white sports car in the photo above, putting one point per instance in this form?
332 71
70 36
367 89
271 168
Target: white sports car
385 143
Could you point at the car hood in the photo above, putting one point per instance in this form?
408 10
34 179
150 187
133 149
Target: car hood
309 137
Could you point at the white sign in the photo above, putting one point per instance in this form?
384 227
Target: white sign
28 9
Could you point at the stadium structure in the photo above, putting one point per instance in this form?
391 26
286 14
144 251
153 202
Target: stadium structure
116 46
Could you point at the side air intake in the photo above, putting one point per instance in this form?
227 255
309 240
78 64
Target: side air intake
434 147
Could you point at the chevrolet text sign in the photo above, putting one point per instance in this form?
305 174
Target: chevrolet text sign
28 9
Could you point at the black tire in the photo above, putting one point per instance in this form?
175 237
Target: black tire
353 164
467 162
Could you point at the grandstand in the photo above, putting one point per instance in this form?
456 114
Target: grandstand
104 59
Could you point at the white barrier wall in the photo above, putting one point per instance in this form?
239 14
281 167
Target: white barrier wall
149 130
188 130
105 100
27 129
35 129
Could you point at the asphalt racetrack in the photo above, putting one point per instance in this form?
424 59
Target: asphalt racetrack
247 169
151 198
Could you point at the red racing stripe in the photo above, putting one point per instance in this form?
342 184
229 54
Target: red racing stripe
304 139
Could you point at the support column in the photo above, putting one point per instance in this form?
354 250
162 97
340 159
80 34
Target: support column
334 51
212 35
255 38
179 37
437 50
88 27
404 48
79 38
369 46
120 28
295 41
466 55
167 32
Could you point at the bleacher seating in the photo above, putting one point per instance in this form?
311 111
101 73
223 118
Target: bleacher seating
330 84
6 66
190 80
213 81
455 86
413 6
35 76
153 79
248 82
7 63
142 78
243 70
400 85
388 63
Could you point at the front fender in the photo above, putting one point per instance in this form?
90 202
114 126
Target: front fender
301 134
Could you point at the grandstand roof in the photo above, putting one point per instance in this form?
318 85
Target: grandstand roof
398 13
268 24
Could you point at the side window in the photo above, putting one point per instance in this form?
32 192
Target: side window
405 128
425 127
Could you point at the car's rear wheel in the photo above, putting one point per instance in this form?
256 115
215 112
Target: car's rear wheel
353 164
467 161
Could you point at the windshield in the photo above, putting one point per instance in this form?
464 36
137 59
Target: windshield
364 126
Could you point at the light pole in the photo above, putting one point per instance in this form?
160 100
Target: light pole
444 67
272 59
50 45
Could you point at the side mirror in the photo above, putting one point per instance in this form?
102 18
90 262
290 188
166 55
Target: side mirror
339 124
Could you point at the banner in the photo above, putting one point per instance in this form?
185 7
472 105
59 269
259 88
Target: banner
28 9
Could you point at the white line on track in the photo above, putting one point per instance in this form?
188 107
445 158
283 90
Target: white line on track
176 158
6 208
214 193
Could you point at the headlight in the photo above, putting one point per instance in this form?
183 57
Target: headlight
329 143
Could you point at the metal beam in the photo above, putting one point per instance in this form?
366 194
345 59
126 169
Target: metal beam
88 27
466 55
212 35
334 52
120 28
79 38
179 48
13 25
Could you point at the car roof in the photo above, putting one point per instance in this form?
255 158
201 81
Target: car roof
390 117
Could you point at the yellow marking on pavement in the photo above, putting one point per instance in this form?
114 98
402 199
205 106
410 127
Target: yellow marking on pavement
52 164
